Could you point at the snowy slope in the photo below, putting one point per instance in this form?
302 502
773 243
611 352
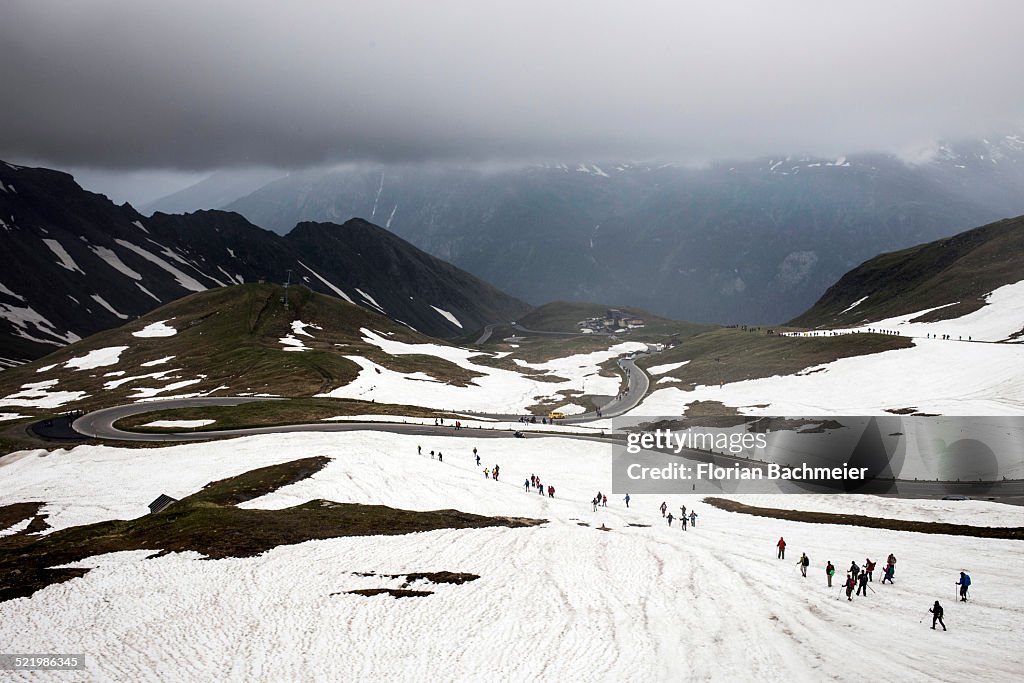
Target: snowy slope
496 391
966 373
558 602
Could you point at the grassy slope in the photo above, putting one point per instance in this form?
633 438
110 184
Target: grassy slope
961 268
231 335
733 355
271 414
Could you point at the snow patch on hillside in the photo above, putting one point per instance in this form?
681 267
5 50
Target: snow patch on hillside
41 395
97 358
330 286
667 367
157 329
21 317
186 281
179 424
4 290
103 302
64 258
370 300
451 318
854 305
115 262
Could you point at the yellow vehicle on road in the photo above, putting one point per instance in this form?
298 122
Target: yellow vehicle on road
556 415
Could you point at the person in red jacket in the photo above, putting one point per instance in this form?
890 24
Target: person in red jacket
869 567
850 584
782 548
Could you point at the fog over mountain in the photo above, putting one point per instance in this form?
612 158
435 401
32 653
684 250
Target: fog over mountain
199 86
461 127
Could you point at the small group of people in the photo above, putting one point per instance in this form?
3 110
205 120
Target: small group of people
600 500
682 515
534 482
490 473
439 456
856 578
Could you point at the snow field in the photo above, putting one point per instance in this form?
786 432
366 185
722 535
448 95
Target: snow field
947 377
559 602
497 391
934 376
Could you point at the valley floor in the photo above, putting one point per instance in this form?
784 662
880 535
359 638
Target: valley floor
567 600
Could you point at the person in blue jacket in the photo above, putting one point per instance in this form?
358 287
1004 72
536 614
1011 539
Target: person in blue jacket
964 583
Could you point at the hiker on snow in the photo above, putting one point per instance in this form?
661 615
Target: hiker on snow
936 611
593 504
526 485
781 545
890 569
626 499
862 584
891 562
804 562
964 583
683 520
830 571
693 518
869 568
850 583
854 569
664 507
551 491
670 518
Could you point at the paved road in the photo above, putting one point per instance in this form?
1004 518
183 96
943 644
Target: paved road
488 331
637 384
100 424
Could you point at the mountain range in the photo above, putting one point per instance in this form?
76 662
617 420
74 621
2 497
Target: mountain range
738 242
75 264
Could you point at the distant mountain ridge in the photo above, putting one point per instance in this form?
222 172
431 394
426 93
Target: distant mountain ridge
75 264
753 242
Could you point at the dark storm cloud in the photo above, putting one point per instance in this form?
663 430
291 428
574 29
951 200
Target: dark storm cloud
199 85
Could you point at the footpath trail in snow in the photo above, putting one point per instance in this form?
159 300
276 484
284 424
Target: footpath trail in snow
559 602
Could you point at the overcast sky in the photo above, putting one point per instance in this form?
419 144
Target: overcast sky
173 90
